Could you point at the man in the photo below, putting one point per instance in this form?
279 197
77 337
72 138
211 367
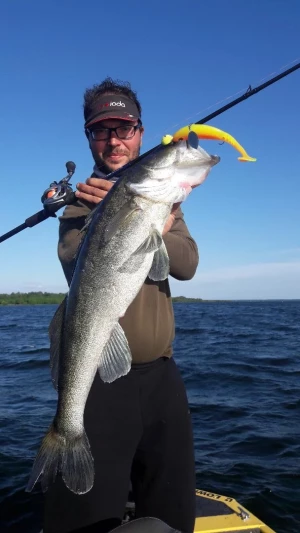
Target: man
139 426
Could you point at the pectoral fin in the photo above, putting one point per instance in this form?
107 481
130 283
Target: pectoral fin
116 356
151 244
161 266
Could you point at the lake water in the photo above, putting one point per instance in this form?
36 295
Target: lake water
241 365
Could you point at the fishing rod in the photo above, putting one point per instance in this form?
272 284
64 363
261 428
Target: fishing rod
60 194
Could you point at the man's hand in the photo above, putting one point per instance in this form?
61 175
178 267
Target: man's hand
171 218
93 190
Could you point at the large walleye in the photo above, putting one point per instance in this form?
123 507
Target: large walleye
123 245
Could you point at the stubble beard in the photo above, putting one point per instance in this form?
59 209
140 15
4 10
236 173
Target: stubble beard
106 168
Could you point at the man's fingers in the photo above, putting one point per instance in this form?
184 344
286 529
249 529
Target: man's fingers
100 183
93 191
88 197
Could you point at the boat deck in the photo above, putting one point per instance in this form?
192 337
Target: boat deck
220 514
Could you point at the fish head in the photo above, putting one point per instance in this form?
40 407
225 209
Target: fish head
192 165
173 171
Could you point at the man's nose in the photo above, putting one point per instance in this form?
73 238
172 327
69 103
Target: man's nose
113 140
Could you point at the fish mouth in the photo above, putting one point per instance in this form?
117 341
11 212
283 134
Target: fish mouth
188 156
215 159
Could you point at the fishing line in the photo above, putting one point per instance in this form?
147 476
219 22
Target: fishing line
277 72
220 102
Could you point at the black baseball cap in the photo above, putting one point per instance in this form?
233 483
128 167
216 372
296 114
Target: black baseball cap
112 106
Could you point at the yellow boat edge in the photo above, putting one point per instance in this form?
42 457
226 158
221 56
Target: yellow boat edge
238 519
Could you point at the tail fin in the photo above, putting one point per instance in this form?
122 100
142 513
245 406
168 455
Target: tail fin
72 458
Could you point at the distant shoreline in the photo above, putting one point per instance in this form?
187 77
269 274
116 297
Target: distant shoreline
51 298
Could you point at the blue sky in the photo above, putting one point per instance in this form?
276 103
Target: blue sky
184 60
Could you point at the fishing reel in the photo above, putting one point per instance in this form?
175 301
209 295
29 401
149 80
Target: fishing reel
59 194
56 196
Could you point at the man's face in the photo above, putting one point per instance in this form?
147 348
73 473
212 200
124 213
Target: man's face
113 153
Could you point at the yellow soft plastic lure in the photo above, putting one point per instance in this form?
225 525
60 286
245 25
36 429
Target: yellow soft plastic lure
208 132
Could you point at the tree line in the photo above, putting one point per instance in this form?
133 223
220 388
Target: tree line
35 298
31 298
